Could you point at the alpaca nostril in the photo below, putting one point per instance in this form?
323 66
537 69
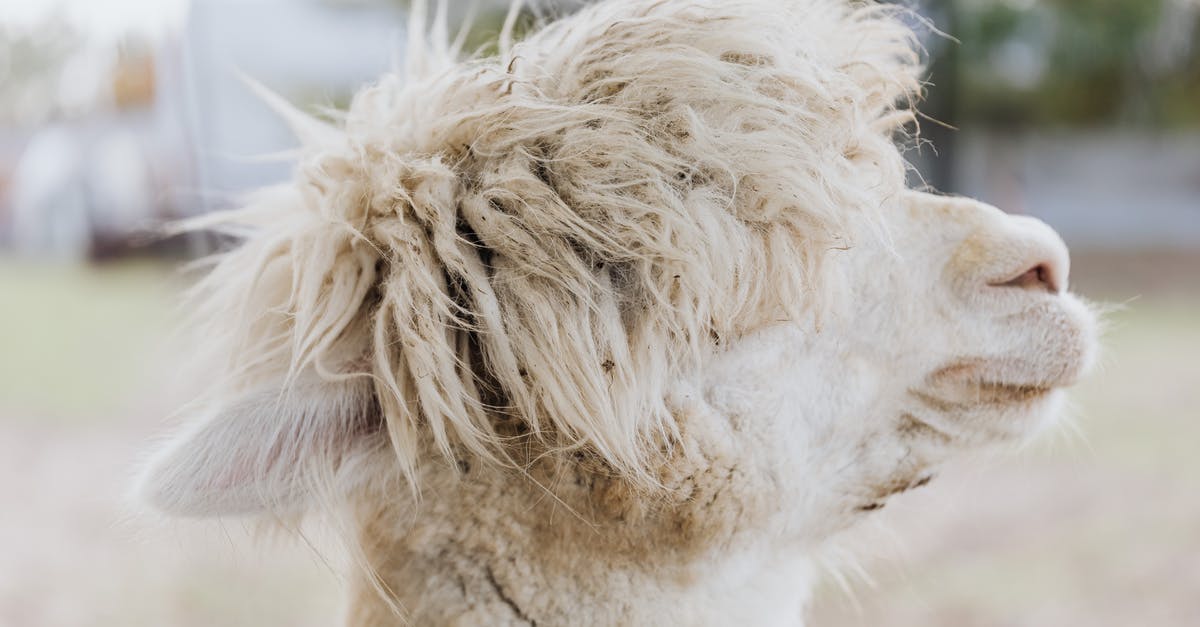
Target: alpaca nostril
1008 251
1040 277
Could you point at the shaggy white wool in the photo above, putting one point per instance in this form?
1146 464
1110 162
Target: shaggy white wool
641 309
557 234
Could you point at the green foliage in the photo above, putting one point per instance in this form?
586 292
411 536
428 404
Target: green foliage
1076 62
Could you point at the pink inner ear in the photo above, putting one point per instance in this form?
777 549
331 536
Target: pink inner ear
248 468
258 453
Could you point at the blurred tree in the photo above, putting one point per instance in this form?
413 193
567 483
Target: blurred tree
31 64
942 96
1077 62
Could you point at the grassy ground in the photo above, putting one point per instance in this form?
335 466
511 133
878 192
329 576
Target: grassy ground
85 369
1098 528
75 339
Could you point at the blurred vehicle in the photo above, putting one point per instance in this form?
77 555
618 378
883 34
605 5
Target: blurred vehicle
50 209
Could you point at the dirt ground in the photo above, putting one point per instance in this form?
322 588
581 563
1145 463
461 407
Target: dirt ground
1097 524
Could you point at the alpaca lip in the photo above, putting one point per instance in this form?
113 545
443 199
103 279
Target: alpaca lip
971 395
967 382
993 393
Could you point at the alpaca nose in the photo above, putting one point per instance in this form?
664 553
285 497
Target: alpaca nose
1012 253
1031 256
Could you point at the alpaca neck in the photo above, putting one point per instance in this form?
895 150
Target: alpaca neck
499 548
446 586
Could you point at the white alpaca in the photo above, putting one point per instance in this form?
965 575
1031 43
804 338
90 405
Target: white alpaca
620 327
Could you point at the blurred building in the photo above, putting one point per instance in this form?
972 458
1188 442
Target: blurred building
1106 189
309 52
170 130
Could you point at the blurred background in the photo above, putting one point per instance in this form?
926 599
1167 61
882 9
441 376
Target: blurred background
118 115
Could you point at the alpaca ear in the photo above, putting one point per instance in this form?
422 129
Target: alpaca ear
265 451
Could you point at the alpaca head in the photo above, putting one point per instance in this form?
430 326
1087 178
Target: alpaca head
650 223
